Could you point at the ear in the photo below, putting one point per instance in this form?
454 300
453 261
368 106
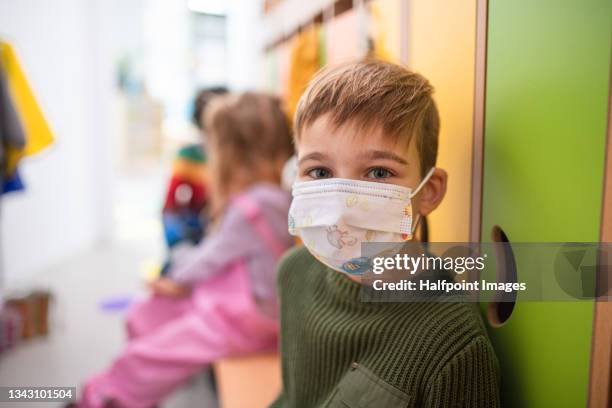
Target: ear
433 192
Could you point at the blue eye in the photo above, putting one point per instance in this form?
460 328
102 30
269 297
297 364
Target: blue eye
379 173
319 173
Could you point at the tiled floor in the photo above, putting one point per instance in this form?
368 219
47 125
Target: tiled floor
84 338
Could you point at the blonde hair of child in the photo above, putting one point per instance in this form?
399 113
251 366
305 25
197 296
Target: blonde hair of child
249 140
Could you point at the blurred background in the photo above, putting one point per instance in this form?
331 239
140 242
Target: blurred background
108 88
115 81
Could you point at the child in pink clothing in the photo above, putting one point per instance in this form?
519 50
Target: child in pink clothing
221 299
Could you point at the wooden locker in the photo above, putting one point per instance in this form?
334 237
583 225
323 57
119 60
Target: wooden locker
441 46
600 384
545 118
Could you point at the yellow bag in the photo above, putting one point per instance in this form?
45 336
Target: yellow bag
305 62
36 128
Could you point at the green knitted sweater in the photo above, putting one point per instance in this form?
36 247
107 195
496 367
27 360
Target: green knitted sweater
338 351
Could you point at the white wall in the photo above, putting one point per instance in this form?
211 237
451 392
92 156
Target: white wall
244 44
69 49
65 207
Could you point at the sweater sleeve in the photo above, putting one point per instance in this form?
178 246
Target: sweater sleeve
233 240
469 379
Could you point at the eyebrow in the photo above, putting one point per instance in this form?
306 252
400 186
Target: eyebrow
313 156
384 154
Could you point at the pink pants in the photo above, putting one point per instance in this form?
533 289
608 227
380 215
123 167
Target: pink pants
173 339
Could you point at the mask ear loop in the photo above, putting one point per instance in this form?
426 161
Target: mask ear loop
416 191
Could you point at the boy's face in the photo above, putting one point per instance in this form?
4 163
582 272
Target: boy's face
350 152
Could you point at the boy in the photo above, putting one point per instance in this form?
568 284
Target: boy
366 135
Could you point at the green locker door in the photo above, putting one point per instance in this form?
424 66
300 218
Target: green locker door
548 68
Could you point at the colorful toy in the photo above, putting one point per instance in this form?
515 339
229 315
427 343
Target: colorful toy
186 200
119 303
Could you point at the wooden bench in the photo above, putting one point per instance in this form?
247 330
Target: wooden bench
249 381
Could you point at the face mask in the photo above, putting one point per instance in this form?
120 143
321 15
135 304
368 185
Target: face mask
333 217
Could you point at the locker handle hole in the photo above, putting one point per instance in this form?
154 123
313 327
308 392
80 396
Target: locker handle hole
500 310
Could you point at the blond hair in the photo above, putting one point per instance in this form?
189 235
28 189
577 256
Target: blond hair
375 93
249 141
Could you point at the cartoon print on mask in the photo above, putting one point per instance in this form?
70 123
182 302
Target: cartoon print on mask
407 221
408 210
338 238
351 201
357 266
